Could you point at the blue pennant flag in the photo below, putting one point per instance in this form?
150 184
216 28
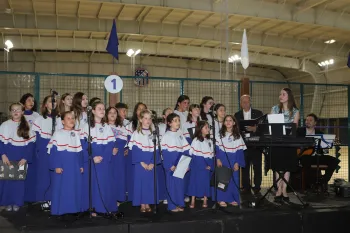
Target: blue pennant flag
112 46
349 60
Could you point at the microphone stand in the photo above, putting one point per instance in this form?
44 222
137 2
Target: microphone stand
53 113
215 163
155 134
89 164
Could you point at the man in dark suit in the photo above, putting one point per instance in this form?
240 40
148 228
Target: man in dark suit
251 155
308 160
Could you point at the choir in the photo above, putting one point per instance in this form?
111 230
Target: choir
123 154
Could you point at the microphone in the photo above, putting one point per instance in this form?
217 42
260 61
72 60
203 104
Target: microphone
54 92
88 108
154 115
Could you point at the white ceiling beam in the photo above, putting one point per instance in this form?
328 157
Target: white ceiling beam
166 15
99 11
252 8
99 45
171 31
119 12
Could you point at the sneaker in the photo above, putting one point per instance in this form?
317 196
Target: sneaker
9 208
15 208
165 202
187 199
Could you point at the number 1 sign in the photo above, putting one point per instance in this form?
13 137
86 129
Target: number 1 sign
113 84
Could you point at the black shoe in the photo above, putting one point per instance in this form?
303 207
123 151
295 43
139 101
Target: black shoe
278 199
256 191
286 199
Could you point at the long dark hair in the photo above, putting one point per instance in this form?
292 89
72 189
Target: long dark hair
217 106
44 111
118 121
198 131
169 119
205 99
23 128
61 106
92 118
291 102
134 118
180 99
76 105
24 99
235 129
189 116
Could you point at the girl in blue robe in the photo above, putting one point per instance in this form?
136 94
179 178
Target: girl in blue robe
201 164
66 160
43 129
192 120
30 107
17 145
130 128
102 144
174 145
161 173
142 147
230 154
79 105
118 163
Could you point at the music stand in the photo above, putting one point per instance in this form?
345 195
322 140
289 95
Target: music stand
323 141
276 132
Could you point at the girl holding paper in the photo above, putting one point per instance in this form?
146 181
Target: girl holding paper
279 158
174 146
230 153
16 144
201 164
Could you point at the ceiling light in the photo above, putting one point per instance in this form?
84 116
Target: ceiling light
330 41
9 44
234 58
326 63
132 53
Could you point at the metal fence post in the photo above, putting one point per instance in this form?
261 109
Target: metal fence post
37 88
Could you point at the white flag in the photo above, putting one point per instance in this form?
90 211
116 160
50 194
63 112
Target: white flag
244 51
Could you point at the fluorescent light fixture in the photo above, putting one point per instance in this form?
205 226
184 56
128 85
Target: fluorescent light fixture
331 61
9 44
330 41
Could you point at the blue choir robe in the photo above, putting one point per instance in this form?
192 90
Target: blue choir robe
65 151
202 157
43 129
15 148
235 154
30 182
81 122
118 170
142 148
174 145
102 144
129 165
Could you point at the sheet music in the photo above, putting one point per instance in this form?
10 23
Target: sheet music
182 166
326 140
276 118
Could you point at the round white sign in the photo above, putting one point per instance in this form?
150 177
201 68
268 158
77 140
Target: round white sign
113 84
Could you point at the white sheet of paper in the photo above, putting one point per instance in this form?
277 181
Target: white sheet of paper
182 167
21 168
276 118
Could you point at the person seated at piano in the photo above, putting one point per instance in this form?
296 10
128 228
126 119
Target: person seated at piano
282 158
251 155
308 160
